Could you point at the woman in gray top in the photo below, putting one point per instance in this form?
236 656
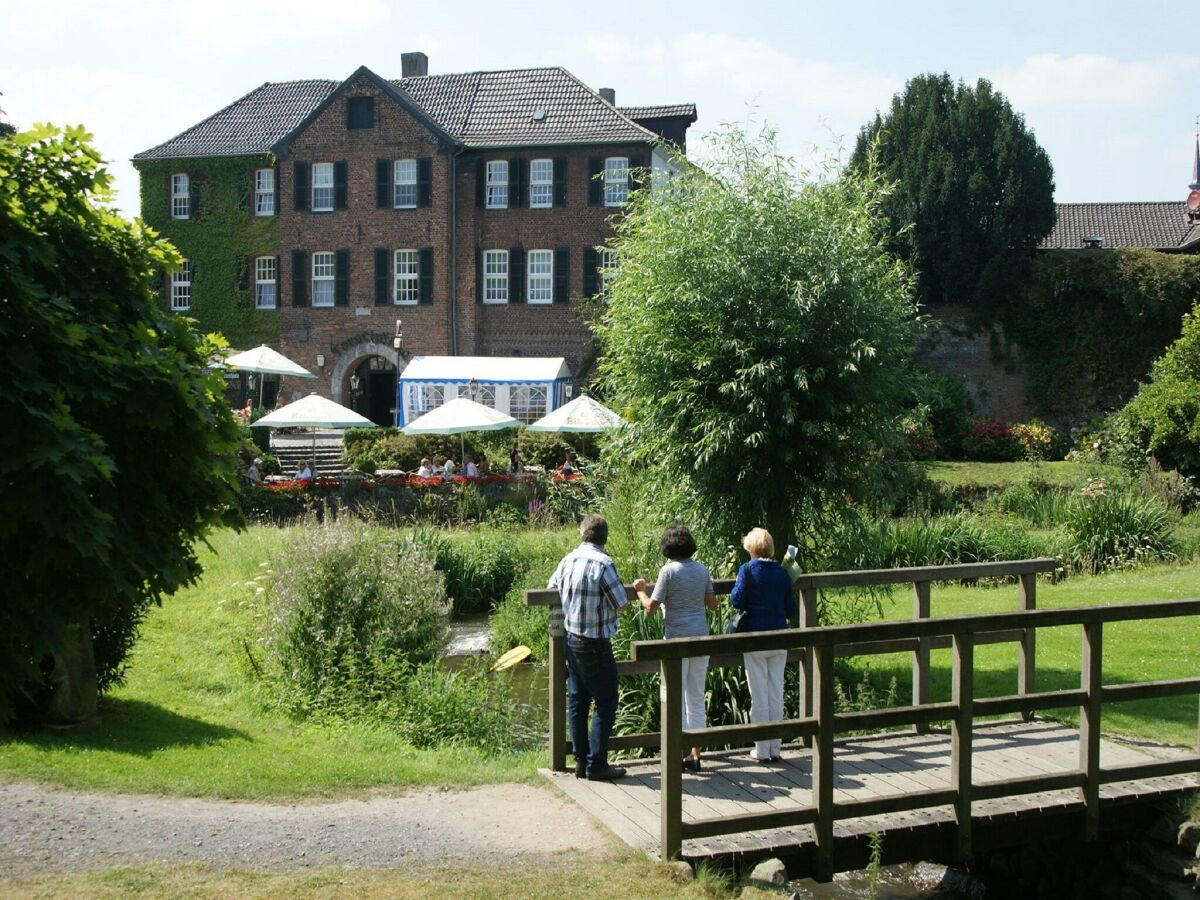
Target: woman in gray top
684 590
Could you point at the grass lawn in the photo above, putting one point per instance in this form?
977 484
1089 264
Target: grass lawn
995 474
1133 651
625 874
188 720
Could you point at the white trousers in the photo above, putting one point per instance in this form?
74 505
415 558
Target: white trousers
693 671
764 671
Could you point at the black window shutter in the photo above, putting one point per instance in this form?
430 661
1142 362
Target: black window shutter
243 190
516 183
277 198
595 180
516 275
341 278
635 174
194 200
480 181
383 183
425 275
562 274
278 278
560 181
478 275
300 184
382 271
299 278
425 181
247 265
339 184
591 271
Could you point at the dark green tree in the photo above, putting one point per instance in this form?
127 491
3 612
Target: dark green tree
117 448
758 333
975 191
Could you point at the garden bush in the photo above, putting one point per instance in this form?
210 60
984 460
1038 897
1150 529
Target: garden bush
480 566
990 440
946 406
1037 440
353 612
1116 529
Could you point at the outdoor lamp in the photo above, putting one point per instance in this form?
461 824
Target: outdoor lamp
320 360
568 389
472 388
399 338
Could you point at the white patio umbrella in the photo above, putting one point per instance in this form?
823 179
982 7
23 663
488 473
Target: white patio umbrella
314 411
262 360
580 415
459 416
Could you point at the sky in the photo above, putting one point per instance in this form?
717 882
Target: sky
1111 90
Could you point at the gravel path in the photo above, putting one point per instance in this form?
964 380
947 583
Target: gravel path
48 830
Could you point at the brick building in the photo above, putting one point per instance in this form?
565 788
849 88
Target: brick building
314 214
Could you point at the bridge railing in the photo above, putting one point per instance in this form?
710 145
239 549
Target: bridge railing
963 634
808 588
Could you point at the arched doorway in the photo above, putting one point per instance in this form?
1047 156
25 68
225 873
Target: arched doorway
373 390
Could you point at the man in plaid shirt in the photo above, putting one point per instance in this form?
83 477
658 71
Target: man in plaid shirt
592 598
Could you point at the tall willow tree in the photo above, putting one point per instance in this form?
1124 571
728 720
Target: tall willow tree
758 334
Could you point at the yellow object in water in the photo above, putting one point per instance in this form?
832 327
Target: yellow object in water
517 654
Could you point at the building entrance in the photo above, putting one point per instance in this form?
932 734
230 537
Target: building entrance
373 390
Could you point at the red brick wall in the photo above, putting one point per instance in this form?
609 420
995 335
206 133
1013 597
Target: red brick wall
515 329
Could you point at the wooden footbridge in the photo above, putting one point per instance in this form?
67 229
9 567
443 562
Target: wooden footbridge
931 792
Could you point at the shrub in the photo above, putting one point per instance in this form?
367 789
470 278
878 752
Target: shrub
353 611
947 407
548 449
480 567
468 707
919 438
989 440
1111 530
1037 440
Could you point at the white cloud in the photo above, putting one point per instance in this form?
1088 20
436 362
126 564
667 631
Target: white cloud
1089 80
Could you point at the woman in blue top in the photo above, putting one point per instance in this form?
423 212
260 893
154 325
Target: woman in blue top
684 590
763 591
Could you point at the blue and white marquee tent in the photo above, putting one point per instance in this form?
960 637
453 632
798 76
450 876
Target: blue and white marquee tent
525 387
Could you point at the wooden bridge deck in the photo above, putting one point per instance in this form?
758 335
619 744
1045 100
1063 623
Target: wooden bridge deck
870 767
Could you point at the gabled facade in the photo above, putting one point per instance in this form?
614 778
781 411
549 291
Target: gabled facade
315 214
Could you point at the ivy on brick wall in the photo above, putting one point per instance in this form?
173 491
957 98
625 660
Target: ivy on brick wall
1090 322
220 241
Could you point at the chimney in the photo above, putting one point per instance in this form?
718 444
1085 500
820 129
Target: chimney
413 65
609 96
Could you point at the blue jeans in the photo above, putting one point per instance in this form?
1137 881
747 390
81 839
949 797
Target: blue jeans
591 678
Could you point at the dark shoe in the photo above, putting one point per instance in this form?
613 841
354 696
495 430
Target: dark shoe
581 769
608 773
776 759
691 764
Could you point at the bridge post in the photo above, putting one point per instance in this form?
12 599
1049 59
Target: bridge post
822 762
1026 664
557 698
808 619
920 660
1091 681
960 739
670 798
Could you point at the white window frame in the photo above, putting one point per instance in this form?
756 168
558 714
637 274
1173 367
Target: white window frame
434 396
539 277
486 395
406 277
181 288
495 277
324 274
527 402
606 269
616 180
266 282
181 196
541 183
497 184
264 192
322 180
407 184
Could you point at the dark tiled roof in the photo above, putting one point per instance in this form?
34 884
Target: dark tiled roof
247 126
478 109
1156 226
687 110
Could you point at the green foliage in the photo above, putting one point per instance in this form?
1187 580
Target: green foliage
972 185
943 402
1164 417
1037 440
1114 530
548 449
757 334
353 612
371 449
118 447
990 440
220 242
1089 324
480 566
